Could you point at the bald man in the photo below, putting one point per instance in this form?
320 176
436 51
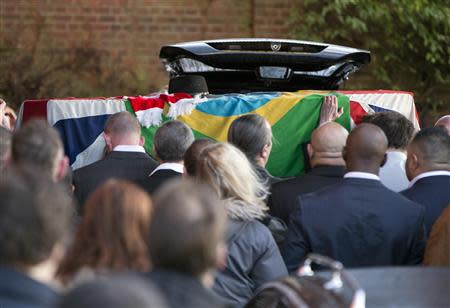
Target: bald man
328 167
358 221
444 123
126 158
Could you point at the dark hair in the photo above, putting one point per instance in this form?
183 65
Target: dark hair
171 141
190 217
193 153
35 215
250 133
122 123
36 143
5 144
397 128
112 234
114 291
434 145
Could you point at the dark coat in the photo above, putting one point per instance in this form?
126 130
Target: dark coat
283 197
181 290
151 183
358 222
130 166
253 259
433 193
17 290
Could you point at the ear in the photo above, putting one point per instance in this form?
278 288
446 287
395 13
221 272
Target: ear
141 141
62 168
108 142
310 150
265 152
222 255
383 162
344 153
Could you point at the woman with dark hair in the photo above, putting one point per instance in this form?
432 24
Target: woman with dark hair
112 234
193 153
253 256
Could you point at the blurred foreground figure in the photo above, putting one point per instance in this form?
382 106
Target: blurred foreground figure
253 256
126 158
34 218
358 222
444 123
111 236
428 168
399 131
114 291
170 143
186 243
437 252
37 144
328 167
5 147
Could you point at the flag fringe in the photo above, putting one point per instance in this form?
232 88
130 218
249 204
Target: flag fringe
184 106
150 117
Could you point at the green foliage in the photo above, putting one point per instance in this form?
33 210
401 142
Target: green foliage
408 39
38 68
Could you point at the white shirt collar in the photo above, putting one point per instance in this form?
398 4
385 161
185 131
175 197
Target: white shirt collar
362 175
169 166
129 148
428 174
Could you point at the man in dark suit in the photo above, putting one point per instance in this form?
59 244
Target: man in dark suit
428 168
170 143
358 222
190 217
34 218
328 167
126 158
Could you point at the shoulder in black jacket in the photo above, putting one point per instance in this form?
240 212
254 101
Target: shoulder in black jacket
130 166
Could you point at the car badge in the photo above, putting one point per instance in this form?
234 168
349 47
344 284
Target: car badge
275 46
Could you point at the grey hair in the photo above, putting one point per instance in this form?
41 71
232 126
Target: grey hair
171 141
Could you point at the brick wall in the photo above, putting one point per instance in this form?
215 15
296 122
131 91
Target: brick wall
138 28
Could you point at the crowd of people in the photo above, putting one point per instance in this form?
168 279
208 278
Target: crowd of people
203 223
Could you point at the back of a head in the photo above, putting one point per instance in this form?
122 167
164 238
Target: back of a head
123 125
186 229
113 231
5 145
35 215
444 123
329 139
37 143
115 291
227 170
193 153
171 141
365 148
250 133
397 128
432 145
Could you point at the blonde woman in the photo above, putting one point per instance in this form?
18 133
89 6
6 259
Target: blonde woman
253 256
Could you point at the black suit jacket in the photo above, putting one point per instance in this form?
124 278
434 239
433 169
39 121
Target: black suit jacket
358 222
152 183
130 166
17 290
433 193
283 197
